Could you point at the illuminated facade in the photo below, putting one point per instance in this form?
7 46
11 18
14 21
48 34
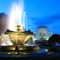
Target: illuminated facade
43 33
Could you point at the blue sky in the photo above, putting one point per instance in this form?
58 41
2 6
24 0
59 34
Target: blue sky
39 12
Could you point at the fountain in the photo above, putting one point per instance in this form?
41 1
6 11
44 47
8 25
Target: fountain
19 37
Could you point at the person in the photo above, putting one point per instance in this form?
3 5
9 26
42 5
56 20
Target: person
4 38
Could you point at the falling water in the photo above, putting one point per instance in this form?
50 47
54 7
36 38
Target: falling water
17 15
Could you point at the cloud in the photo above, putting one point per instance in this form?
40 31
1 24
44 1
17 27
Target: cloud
46 20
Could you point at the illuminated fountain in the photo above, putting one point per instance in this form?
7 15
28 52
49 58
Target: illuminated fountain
20 37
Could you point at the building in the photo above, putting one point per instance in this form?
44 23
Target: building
43 33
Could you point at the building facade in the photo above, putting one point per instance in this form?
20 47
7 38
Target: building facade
42 33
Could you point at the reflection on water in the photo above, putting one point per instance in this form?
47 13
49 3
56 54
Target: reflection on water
42 50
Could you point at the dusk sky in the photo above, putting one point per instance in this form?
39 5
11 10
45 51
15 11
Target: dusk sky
38 12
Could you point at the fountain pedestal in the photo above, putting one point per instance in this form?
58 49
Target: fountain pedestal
19 40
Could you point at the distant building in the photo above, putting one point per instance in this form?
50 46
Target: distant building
42 29
43 33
